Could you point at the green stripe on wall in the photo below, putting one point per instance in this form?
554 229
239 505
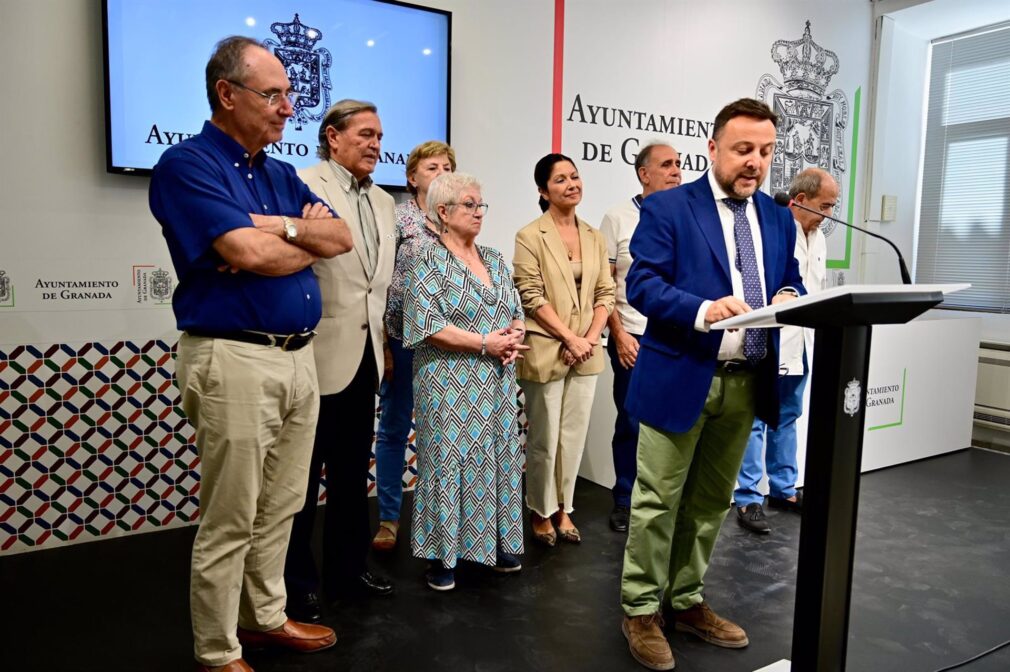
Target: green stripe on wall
846 262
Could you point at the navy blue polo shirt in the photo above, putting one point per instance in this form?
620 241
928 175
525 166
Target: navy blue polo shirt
204 187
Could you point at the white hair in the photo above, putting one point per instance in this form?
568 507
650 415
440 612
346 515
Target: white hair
445 190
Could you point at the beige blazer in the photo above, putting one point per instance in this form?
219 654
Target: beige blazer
353 301
543 274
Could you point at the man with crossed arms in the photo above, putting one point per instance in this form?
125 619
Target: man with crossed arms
243 232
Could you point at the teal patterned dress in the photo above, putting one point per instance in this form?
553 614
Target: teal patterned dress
468 498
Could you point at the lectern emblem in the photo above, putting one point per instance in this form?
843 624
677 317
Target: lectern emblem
853 393
308 69
5 286
811 128
161 284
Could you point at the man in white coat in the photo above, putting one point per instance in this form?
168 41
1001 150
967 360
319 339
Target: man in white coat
815 189
349 360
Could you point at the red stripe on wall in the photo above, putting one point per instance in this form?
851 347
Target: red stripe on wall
559 71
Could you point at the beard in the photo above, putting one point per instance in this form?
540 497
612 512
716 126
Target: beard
729 183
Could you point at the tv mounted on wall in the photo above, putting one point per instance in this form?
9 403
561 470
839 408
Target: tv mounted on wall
393 54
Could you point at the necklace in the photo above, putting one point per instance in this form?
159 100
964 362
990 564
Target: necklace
568 248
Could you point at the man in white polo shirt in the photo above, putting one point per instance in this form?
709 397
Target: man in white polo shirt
658 168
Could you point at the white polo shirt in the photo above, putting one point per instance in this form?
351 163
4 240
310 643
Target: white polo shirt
617 228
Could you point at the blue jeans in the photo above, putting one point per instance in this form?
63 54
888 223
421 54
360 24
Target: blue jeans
625 443
396 399
779 448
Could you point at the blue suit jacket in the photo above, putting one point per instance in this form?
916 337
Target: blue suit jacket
680 260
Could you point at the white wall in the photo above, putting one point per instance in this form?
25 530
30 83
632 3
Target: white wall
894 168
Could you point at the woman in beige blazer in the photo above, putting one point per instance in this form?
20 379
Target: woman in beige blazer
563 276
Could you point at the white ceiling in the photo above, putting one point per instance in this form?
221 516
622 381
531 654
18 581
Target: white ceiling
939 18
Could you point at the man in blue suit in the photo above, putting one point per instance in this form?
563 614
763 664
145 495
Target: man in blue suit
702 253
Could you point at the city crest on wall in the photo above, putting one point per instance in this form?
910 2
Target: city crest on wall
811 128
308 68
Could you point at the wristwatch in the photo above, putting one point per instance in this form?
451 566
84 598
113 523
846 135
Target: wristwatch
290 230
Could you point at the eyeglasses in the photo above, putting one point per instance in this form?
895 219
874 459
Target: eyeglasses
271 98
472 207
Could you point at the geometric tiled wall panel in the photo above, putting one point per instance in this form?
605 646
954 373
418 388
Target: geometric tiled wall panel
93 444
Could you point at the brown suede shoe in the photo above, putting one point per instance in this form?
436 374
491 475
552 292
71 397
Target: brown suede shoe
701 621
234 666
647 642
295 636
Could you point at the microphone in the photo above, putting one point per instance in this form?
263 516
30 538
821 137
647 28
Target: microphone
782 198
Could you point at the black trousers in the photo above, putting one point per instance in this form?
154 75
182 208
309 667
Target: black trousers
343 444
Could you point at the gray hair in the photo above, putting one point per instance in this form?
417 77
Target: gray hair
338 116
646 152
445 190
227 63
807 182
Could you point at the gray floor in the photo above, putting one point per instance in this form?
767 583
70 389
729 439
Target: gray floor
932 587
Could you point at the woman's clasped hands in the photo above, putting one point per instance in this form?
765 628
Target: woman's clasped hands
506 344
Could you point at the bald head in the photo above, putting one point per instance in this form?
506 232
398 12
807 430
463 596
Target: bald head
813 188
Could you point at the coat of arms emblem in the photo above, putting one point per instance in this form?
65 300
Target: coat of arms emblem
308 68
812 125
853 393
5 286
161 285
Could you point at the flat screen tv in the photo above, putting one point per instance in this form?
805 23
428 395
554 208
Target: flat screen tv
393 54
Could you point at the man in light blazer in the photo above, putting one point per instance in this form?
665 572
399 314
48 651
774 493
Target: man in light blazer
702 253
349 361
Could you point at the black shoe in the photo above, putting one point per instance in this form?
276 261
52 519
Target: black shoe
619 518
787 505
304 608
752 517
365 585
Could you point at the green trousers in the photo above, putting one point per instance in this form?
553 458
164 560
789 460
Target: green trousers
681 496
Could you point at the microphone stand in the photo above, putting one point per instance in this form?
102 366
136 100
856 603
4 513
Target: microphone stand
906 277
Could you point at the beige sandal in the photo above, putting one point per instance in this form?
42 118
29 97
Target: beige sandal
545 538
570 534
385 538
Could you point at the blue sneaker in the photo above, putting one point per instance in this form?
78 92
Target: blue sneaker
439 578
507 563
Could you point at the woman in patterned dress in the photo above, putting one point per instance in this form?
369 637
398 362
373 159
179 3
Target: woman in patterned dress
414 234
463 319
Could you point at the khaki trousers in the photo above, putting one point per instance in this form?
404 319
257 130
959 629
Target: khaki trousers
681 496
558 414
254 408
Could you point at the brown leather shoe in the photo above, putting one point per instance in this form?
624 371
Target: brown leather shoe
234 666
647 642
295 636
385 537
702 622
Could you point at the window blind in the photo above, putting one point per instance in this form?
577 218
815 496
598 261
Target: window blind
964 213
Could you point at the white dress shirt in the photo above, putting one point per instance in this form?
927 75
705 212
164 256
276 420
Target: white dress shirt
731 346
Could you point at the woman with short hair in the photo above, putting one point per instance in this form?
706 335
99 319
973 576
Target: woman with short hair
463 319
